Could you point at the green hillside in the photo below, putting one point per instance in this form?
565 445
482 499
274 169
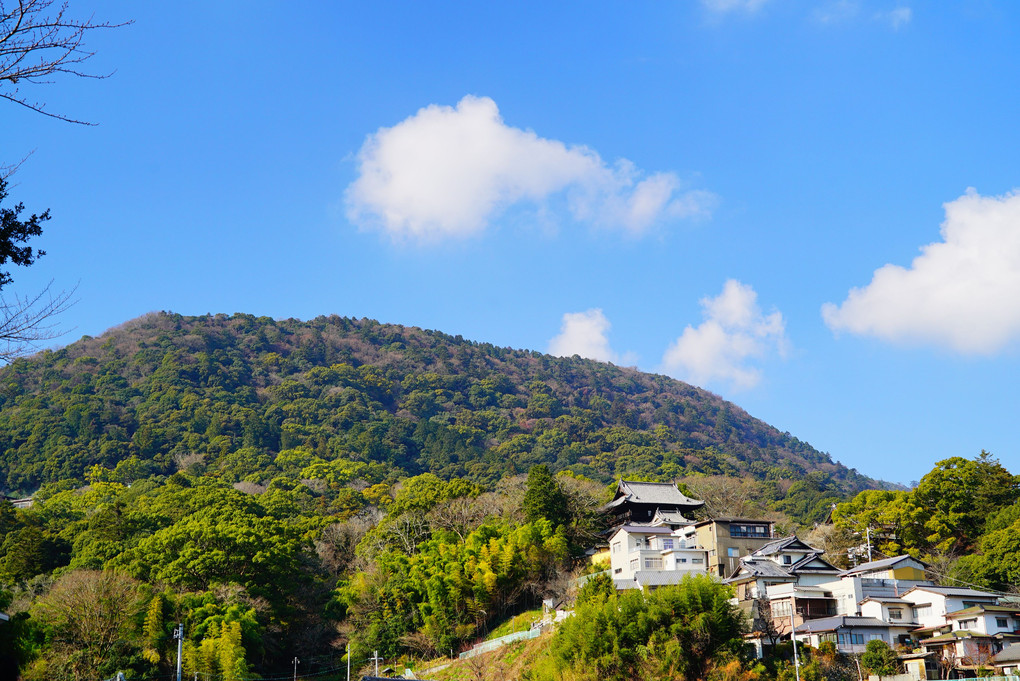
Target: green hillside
224 395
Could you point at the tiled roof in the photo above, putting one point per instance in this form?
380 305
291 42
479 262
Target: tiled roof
670 518
784 544
955 636
1010 653
804 564
644 578
659 577
953 591
664 493
646 529
763 568
978 609
879 565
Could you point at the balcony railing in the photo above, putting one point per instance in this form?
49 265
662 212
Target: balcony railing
745 534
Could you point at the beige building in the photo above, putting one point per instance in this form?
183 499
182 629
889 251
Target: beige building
727 539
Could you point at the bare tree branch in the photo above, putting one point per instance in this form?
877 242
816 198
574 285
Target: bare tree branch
39 41
25 322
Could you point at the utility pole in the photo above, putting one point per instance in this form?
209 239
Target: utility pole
793 633
296 663
869 543
179 635
348 661
377 659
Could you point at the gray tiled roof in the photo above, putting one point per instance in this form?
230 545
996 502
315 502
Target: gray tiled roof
953 591
879 564
669 518
804 564
664 493
659 577
781 545
646 529
763 568
1010 653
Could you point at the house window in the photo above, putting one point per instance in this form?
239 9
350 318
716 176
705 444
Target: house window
681 560
617 571
968 624
733 552
634 564
895 614
697 561
851 639
922 611
653 563
667 543
781 609
616 547
787 560
827 637
1001 622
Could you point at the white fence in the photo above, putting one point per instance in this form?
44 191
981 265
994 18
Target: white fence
500 642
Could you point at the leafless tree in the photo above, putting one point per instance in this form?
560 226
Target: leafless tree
406 531
336 545
39 41
28 321
726 496
462 515
762 622
92 614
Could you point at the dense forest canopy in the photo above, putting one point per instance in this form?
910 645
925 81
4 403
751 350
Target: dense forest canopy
228 395
283 489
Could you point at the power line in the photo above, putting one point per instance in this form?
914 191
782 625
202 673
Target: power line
972 585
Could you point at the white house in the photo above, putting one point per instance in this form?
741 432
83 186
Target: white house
932 603
641 555
850 634
889 578
986 619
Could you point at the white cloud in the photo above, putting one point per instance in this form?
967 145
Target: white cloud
734 332
585 334
447 171
723 6
837 11
961 293
896 18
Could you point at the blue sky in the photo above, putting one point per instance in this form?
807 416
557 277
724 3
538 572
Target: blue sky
807 208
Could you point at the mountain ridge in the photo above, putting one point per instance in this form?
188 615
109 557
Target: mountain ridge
173 391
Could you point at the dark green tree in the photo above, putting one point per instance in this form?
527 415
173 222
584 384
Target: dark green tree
544 498
15 232
879 658
23 321
675 632
960 495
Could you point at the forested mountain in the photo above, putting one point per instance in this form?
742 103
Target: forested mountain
225 395
288 489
